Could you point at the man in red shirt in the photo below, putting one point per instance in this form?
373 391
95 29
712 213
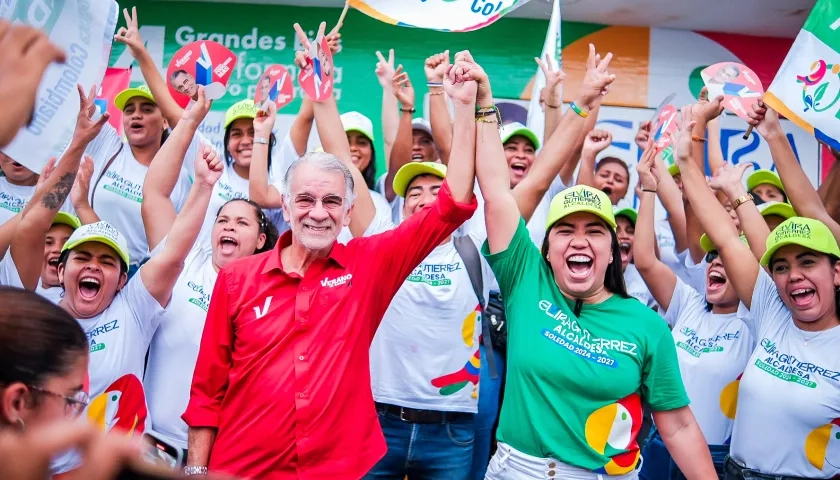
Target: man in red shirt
282 385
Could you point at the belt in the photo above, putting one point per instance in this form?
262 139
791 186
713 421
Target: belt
731 466
413 415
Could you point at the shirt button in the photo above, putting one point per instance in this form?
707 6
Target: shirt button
301 358
302 395
304 289
302 320
552 465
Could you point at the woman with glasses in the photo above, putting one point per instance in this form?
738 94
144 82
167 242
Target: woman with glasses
43 362
712 339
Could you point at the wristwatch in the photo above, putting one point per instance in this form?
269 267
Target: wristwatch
195 470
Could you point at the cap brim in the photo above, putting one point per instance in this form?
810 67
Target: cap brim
673 170
783 210
62 218
610 221
523 132
409 172
629 213
706 243
100 239
369 135
762 178
237 117
123 97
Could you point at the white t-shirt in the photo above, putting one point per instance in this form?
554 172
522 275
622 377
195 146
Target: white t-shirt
425 354
13 199
119 338
668 250
712 351
9 277
53 294
119 193
789 398
175 346
637 288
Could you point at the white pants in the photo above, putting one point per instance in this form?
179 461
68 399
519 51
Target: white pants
510 464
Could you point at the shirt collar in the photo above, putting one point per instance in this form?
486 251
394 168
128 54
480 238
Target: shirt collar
337 254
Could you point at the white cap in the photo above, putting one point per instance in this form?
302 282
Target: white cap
356 122
102 232
422 124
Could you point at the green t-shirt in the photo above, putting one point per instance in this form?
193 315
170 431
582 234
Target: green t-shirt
575 386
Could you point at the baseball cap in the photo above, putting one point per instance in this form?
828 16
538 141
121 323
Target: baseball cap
356 122
517 128
628 212
102 232
781 209
805 232
63 218
421 124
123 97
410 171
707 245
668 158
241 109
580 198
762 176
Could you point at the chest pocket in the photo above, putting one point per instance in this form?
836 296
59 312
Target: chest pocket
332 291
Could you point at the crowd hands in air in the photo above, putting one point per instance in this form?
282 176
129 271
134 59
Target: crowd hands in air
781 284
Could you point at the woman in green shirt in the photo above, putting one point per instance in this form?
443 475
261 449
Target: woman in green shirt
583 357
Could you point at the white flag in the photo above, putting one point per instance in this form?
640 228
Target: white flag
552 48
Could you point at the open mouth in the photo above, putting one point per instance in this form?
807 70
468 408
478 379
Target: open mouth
519 167
228 245
52 263
89 287
607 190
802 296
579 265
355 159
416 157
716 280
135 127
624 248
17 165
317 229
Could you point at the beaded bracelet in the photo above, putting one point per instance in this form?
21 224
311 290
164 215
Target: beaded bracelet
578 111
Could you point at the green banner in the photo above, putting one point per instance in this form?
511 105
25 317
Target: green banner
262 35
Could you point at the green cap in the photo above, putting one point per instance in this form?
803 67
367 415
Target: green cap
707 245
64 218
805 232
761 177
242 109
781 209
356 122
123 97
516 128
580 198
102 232
410 171
628 212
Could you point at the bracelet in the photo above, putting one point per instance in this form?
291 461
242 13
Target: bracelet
437 93
577 110
261 140
742 200
697 139
646 190
407 110
482 113
434 84
194 470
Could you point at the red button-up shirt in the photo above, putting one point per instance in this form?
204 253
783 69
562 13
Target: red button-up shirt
283 369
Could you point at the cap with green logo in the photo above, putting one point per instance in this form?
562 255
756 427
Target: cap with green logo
781 209
707 245
102 232
628 212
762 177
356 122
410 171
512 129
241 109
123 97
64 218
805 232
580 198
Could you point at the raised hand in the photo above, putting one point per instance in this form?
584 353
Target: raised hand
300 55
643 135
469 69
80 192
458 85
199 109
385 69
596 81
208 165
130 33
403 89
596 141
728 179
334 42
436 66
86 128
681 140
264 121
648 170
765 120
27 52
706 110
553 78
46 172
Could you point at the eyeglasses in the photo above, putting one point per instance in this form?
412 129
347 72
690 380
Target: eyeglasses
711 256
73 405
329 202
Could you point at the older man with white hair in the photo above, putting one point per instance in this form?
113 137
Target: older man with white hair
282 385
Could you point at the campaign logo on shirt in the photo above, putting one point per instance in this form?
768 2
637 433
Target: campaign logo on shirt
434 274
579 341
202 300
227 193
122 187
11 203
470 373
121 407
822 447
100 330
791 369
697 346
611 431
665 241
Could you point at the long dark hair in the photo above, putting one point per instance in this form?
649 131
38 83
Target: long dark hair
39 339
272 140
369 173
267 227
614 277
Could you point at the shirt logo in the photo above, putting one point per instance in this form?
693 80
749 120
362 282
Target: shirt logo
335 282
261 313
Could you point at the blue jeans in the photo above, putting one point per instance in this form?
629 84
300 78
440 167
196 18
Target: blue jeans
489 401
432 451
658 464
